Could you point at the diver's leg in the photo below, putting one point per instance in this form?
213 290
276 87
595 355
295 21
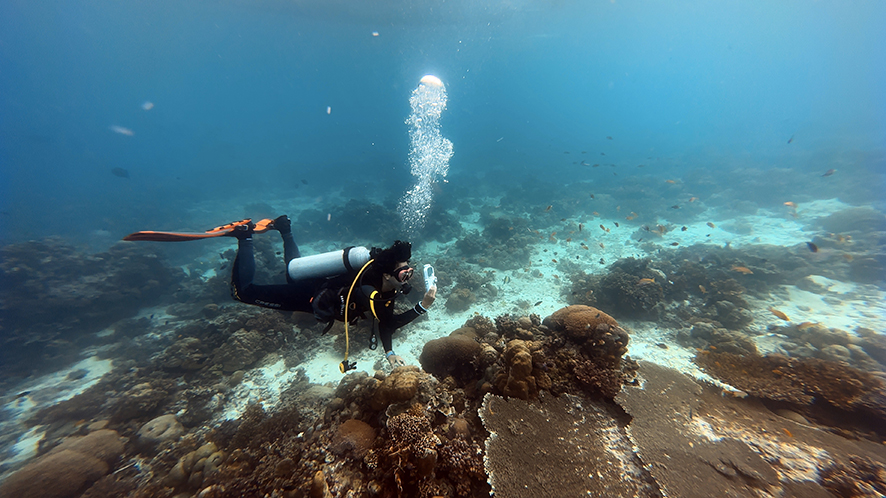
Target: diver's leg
290 248
243 272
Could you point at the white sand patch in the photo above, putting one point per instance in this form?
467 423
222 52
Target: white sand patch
26 398
261 386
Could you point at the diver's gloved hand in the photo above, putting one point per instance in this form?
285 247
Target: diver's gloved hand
396 361
283 224
430 296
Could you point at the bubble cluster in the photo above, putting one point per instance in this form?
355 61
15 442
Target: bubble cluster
429 152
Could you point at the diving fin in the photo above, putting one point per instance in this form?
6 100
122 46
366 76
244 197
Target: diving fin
219 231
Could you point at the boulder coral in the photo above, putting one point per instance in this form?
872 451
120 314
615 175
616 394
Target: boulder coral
163 428
600 335
400 386
516 379
67 468
354 435
453 355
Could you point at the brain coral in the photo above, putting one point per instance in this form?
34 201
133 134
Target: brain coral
401 385
354 435
601 337
453 355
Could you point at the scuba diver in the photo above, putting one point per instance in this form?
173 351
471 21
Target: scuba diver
340 291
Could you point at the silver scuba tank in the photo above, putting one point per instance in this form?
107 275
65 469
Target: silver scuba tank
328 264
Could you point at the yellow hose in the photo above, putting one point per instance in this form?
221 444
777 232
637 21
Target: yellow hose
343 366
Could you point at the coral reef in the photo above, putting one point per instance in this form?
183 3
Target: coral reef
460 299
707 335
798 380
54 296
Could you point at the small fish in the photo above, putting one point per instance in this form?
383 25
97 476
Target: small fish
304 181
702 289
805 325
779 314
595 213
608 138
148 106
616 224
675 244
848 257
742 269
602 227
812 247
602 246
791 139
693 199
592 196
506 280
602 262
711 225
684 228
662 345
536 304
553 260
22 394
829 172
786 431
790 205
126 131
670 181
595 165
549 208
579 226
675 206
646 281
122 173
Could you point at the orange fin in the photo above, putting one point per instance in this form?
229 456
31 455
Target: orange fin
263 226
218 231
174 236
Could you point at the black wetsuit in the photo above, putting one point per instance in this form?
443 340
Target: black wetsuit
297 295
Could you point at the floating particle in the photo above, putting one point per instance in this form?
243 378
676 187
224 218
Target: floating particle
121 130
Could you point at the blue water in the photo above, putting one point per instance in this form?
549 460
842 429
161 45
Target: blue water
241 89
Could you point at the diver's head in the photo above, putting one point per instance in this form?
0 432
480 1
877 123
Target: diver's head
393 264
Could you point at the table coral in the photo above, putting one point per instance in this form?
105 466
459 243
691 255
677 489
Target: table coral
798 381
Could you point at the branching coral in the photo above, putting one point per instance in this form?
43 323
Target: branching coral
464 463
